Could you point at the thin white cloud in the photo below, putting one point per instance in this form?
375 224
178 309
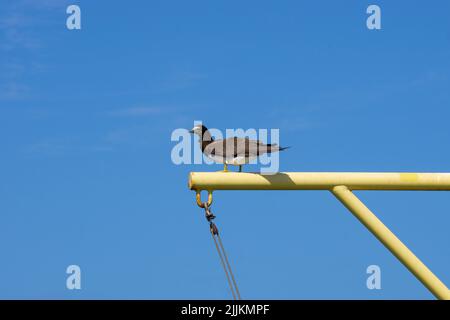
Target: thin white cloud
138 112
13 91
181 80
14 20
63 147
49 4
20 23
135 136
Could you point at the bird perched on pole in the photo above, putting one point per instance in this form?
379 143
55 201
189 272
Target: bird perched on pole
232 151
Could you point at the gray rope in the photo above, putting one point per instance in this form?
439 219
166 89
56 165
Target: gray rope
222 254
224 266
229 268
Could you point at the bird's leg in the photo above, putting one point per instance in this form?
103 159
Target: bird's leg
240 168
225 167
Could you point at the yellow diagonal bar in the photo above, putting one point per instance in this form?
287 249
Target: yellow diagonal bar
391 242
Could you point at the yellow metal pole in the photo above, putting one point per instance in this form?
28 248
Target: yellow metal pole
318 181
340 184
391 242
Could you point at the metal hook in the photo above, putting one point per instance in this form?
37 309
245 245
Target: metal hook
198 198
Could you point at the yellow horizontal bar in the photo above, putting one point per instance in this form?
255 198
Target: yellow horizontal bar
318 181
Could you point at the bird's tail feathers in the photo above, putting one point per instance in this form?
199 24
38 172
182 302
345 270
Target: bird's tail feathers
278 148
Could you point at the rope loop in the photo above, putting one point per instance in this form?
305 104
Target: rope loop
201 204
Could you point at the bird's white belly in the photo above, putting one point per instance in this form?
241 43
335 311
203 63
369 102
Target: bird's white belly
238 161
235 161
216 159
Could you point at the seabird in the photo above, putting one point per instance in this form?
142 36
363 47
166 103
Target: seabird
232 151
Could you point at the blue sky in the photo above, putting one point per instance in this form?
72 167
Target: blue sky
85 124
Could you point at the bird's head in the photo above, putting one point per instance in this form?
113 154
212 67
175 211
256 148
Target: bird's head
198 130
204 137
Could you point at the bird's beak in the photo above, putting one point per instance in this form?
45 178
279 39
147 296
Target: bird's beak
191 131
